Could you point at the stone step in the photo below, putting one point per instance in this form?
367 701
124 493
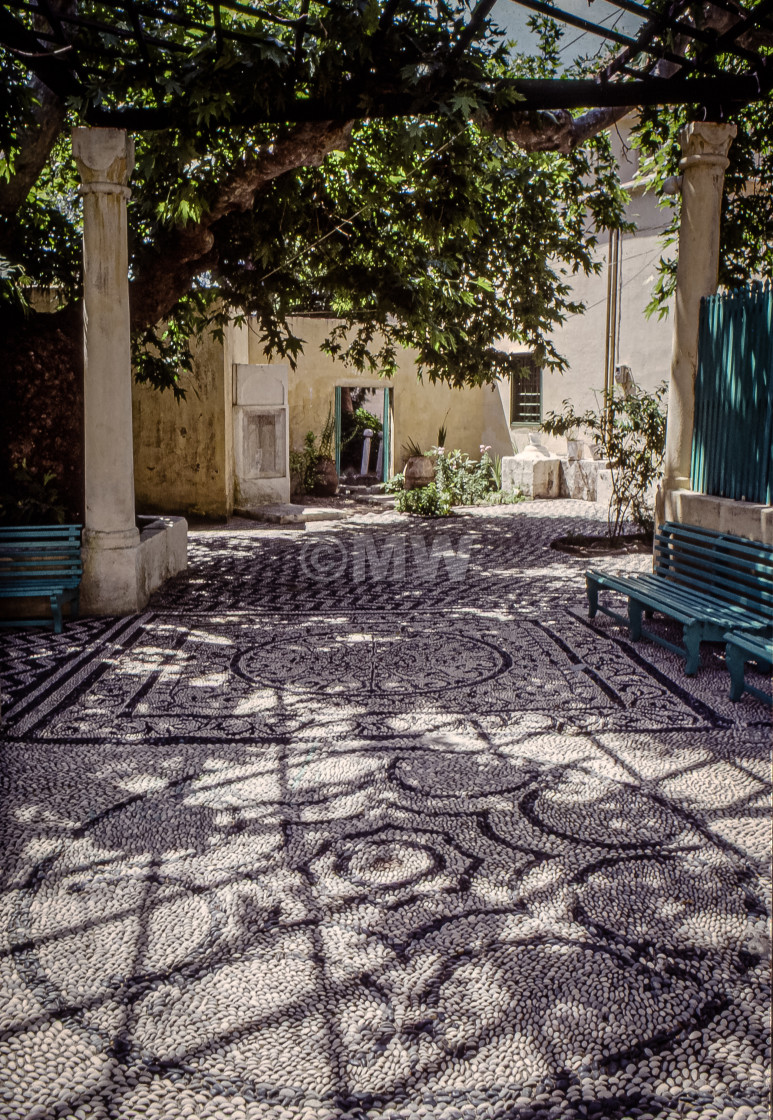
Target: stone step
384 501
283 514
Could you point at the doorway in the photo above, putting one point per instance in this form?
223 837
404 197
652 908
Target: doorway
363 418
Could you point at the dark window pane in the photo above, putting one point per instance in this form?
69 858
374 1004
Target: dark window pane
526 392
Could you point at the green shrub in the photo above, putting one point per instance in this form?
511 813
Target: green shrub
459 481
505 498
467 481
632 433
425 501
394 484
303 463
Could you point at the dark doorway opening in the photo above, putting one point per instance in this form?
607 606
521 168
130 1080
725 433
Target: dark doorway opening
363 426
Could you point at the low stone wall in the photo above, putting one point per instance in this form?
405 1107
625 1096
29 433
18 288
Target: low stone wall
582 479
163 551
588 480
744 519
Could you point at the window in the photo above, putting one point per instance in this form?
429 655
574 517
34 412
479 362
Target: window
526 392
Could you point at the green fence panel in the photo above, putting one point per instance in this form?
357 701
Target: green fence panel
732 450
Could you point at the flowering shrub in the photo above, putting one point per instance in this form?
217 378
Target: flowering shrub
459 481
466 481
632 432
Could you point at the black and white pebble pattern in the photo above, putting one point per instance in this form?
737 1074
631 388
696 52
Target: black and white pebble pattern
380 848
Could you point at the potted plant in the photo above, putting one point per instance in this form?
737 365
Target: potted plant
419 469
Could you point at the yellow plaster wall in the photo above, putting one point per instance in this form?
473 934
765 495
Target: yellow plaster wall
472 416
182 450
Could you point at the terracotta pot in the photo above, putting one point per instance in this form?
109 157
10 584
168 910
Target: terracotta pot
325 478
419 471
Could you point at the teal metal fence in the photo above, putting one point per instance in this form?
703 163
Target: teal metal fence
732 449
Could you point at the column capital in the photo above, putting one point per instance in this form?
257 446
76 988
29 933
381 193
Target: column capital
706 143
105 159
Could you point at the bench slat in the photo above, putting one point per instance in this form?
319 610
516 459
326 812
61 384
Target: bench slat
710 559
693 533
710 582
41 561
757 582
704 601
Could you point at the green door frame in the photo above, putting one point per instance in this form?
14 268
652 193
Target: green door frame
386 434
338 428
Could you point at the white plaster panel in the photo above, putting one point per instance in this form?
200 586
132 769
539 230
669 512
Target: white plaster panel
264 385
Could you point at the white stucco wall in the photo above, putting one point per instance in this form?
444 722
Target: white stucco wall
472 416
645 343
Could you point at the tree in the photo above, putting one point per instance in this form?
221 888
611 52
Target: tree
411 195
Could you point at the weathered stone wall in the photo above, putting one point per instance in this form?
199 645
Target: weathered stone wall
182 456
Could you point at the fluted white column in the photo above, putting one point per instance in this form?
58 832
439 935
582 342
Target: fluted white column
111 583
705 146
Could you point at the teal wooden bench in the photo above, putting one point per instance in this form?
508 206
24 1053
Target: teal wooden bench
41 561
740 648
713 583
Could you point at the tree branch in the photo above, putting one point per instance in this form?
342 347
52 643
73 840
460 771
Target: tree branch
48 115
35 144
164 272
555 131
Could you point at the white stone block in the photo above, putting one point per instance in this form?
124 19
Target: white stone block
578 479
604 488
536 478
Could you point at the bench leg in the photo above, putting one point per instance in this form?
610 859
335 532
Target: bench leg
593 596
692 643
736 660
56 611
634 619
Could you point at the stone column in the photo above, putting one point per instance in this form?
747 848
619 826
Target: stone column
705 146
111 583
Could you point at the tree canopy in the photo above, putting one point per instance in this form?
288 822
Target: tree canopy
383 162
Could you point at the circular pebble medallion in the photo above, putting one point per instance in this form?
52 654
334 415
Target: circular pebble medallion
325 661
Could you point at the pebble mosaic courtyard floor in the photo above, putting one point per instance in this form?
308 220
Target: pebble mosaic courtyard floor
369 821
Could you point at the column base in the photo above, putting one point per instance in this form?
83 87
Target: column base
111 573
664 502
122 570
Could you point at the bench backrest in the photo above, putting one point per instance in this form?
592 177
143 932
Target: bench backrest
40 552
731 569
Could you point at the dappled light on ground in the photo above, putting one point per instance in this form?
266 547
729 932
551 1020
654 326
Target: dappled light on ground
307 849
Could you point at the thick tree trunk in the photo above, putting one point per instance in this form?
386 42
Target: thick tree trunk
165 273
